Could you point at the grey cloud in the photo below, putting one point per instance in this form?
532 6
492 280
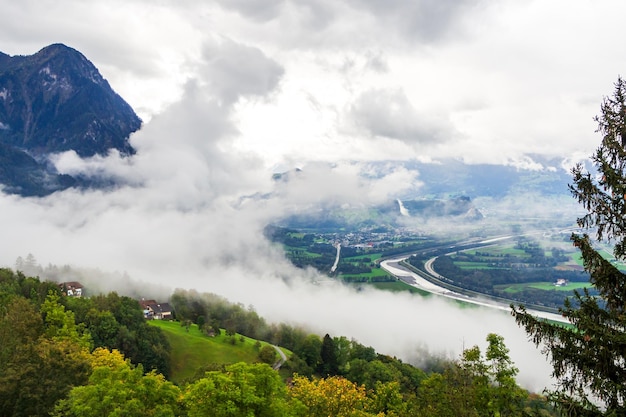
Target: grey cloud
429 20
234 70
389 113
317 14
422 20
85 33
261 11
376 62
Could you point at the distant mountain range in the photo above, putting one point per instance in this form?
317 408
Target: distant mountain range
54 101
392 214
445 190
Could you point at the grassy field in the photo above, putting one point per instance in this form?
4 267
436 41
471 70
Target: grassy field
550 286
192 349
547 286
373 256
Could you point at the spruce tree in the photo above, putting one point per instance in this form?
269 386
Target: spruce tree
589 357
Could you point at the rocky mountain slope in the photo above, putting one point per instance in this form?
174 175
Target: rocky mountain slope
54 101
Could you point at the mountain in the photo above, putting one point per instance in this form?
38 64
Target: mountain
55 101
447 190
450 177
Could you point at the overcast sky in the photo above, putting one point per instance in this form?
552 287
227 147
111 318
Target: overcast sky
483 80
232 90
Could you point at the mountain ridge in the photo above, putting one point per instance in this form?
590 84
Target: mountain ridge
55 101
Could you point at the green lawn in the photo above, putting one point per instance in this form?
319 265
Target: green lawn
192 349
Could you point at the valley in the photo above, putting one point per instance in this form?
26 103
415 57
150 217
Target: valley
538 268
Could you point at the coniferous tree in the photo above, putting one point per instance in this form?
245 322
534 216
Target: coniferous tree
329 365
589 358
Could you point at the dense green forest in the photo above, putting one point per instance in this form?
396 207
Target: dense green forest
67 356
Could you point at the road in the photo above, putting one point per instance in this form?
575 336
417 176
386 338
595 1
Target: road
282 360
394 267
334 267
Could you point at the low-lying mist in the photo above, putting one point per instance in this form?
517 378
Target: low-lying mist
190 214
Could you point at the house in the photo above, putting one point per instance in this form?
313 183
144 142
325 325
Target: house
153 310
72 289
147 312
561 282
161 311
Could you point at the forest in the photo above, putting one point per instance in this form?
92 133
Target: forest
98 355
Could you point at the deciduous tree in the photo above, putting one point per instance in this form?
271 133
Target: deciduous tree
241 390
39 363
117 388
475 386
267 354
334 396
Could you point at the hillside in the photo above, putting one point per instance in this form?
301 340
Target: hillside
193 351
98 355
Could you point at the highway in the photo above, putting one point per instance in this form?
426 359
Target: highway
404 274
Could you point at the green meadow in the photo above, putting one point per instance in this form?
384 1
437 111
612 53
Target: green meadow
193 350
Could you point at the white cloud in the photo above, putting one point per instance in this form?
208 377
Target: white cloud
345 184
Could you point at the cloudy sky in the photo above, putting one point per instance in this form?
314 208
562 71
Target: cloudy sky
483 80
233 90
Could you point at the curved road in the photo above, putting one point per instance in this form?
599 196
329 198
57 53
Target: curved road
393 267
282 360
